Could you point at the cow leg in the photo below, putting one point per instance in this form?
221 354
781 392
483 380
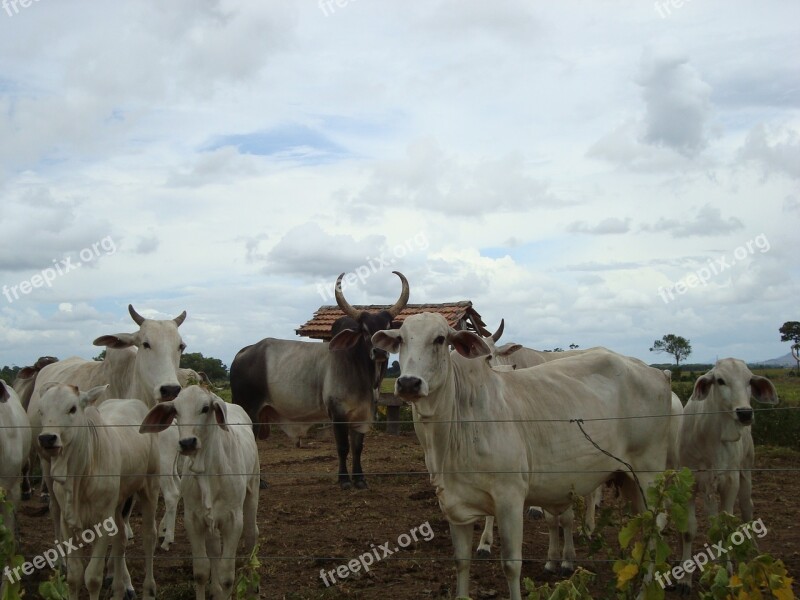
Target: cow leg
553 542
487 539
26 480
462 545
356 446
745 495
509 524
74 574
226 565
592 501
214 546
201 566
341 432
684 584
93 576
567 522
148 499
250 519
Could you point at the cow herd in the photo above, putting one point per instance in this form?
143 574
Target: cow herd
496 424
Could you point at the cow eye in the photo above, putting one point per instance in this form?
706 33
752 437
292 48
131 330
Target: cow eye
182 347
720 381
439 340
205 409
73 410
146 345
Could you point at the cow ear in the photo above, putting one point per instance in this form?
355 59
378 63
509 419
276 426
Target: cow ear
762 390
4 393
159 418
468 344
120 340
345 339
90 397
508 349
26 372
702 386
220 412
388 340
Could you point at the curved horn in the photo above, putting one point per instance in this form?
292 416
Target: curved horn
179 319
496 335
137 318
395 308
344 304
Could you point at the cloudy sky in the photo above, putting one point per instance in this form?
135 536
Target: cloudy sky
575 167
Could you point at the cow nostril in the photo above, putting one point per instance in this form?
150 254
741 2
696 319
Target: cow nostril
188 443
47 440
745 415
409 384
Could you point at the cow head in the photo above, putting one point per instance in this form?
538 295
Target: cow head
41 363
5 392
728 388
62 413
358 326
423 344
197 413
158 353
500 355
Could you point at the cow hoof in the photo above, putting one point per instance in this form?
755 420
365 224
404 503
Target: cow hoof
550 567
566 571
482 553
26 495
108 581
45 498
346 485
262 484
361 484
130 594
166 545
534 514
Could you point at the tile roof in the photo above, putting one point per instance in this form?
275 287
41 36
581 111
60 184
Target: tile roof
458 315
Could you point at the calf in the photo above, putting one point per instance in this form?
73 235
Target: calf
220 482
717 444
98 462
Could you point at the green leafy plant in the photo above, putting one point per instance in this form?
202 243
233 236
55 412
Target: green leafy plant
755 576
574 588
644 534
55 588
9 559
248 579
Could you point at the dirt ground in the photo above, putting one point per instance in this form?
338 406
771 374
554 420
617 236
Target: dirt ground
307 523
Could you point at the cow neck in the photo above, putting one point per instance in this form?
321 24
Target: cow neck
75 467
119 372
716 426
355 367
135 387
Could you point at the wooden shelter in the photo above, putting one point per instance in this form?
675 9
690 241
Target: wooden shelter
460 315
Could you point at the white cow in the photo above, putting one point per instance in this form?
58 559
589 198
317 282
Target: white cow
716 441
220 483
15 443
490 441
98 463
142 365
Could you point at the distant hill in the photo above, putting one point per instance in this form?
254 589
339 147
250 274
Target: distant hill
784 361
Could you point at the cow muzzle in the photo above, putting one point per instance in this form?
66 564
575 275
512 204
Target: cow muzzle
188 445
745 415
169 392
50 443
410 387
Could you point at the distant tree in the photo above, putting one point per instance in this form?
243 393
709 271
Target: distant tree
790 332
559 349
677 346
213 367
101 356
9 374
573 346
394 370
